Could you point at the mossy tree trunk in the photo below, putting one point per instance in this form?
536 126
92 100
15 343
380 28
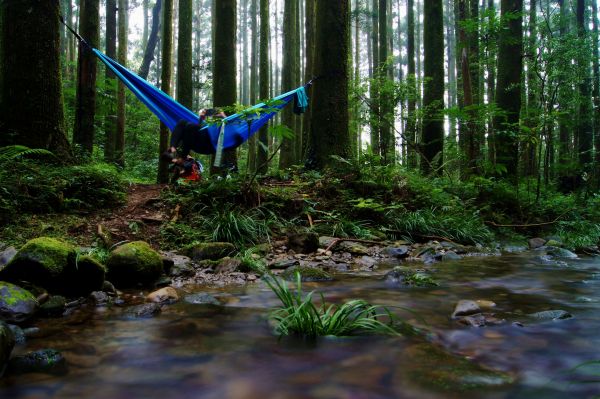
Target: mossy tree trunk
110 119
85 111
309 70
565 123
263 145
375 120
596 93
411 126
253 78
508 87
32 105
329 130
122 59
224 62
386 110
286 155
185 88
584 125
433 96
165 81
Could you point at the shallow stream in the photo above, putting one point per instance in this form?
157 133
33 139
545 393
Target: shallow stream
229 351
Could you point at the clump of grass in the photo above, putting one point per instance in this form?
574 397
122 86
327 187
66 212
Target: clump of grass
249 262
235 226
299 316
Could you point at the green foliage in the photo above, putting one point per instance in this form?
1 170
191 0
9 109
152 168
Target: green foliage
299 316
15 152
252 262
232 225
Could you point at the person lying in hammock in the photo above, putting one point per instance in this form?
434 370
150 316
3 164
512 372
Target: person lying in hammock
192 136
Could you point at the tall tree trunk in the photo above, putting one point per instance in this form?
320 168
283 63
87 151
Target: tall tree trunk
245 78
584 124
508 88
287 156
31 111
71 41
451 54
433 95
564 118
185 87
309 72
83 131
224 63
110 120
122 58
329 131
262 155
152 40
253 78
145 33
356 145
533 105
374 90
386 137
491 48
411 125
165 79
596 93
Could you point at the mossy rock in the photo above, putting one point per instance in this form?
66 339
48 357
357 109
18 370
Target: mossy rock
54 307
7 343
47 361
42 261
16 304
134 263
437 369
306 274
209 250
88 276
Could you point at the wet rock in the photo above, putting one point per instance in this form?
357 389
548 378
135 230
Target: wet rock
133 263
408 277
54 307
163 281
18 333
552 315
401 252
476 320
146 310
536 242
466 308
514 248
109 288
283 263
210 251
47 361
365 262
553 243
6 256
182 270
354 248
165 295
16 304
42 261
7 343
325 242
303 243
228 265
168 263
201 299
99 298
31 332
306 274
88 276
450 255
485 304
561 253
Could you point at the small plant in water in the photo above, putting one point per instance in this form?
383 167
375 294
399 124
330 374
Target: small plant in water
299 316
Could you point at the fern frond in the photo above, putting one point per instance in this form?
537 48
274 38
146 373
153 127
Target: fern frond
12 152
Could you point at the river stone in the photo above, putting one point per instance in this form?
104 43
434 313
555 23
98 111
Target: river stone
450 255
16 304
303 243
485 304
88 277
400 252
466 308
228 265
47 361
283 263
7 343
164 295
168 263
99 298
133 263
554 243
6 256
536 242
146 310
561 253
42 261
18 333
54 307
552 315
201 299
306 274
210 250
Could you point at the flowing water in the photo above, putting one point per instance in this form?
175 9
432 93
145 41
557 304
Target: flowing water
205 351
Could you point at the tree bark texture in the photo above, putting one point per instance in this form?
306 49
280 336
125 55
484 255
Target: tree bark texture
122 59
32 106
165 79
110 119
584 126
286 155
152 40
262 154
185 88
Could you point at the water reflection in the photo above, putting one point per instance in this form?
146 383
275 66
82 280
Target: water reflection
207 351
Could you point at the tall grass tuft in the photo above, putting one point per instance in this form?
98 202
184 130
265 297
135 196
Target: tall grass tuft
299 316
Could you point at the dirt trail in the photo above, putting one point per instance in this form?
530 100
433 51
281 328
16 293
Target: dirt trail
139 219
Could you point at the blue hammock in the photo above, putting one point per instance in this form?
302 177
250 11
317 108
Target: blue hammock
224 135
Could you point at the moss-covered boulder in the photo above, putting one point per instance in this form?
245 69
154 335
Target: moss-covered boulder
134 263
210 250
47 361
16 304
88 276
42 261
7 343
